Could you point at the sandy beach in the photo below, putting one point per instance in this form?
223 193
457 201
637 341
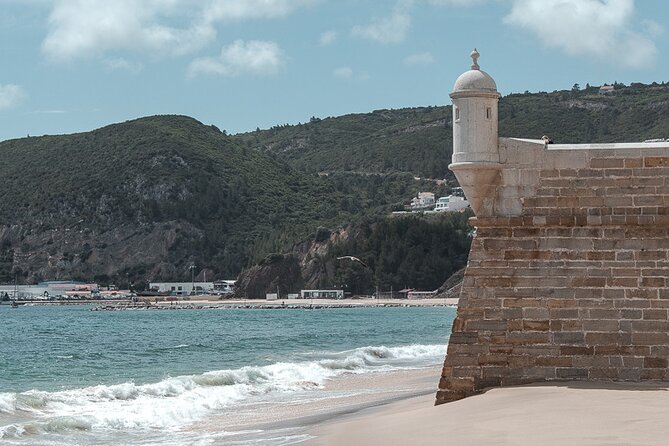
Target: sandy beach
573 413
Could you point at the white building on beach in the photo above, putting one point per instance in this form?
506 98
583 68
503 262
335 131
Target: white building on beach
51 290
322 294
191 288
182 288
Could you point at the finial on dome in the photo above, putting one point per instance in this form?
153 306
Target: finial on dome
475 57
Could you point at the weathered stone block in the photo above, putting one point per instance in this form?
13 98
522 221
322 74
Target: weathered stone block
656 161
655 363
655 314
463 338
606 338
653 374
525 338
650 338
603 325
568 338
554 361
534 325
571 373
629 374
486 325
604 373
596 163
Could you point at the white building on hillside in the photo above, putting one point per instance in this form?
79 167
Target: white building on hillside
451 203
423 200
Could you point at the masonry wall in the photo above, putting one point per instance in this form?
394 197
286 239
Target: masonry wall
575 285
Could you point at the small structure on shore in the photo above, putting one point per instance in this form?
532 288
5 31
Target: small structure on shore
321 294
219 287
67 289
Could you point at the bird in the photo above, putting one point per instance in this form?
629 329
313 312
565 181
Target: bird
353 259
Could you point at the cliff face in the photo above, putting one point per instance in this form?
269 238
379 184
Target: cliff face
316 262
124 253
277 272
143 200
309 266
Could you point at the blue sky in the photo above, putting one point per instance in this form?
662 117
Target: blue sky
75 65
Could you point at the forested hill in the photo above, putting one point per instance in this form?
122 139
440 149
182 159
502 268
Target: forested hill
419 140
145 199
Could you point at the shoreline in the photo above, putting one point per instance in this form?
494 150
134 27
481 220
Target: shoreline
575 413
283 304
205 303
341 398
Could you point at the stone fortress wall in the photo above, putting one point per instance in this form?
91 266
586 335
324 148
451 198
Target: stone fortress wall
568 271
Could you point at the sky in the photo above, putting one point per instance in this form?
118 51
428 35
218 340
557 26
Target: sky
75 65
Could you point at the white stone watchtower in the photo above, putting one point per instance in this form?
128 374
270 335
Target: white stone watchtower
476 162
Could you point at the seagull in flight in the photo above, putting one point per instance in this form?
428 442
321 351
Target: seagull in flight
353 259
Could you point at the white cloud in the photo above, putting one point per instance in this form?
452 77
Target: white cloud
455 2
80 28
119 63
229 10
599 28
328 38
48 112
10 96
343 73
253 57
347 73
653 28
97 28
391 29
419 59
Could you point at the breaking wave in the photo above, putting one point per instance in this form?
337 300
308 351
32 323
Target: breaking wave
177 401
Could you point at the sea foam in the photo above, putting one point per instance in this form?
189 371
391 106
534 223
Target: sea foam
174 402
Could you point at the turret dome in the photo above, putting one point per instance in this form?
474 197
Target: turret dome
475 79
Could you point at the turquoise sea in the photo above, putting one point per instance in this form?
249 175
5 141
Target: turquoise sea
69 375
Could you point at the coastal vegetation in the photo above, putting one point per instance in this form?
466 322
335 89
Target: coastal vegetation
146 199
419 140
403 252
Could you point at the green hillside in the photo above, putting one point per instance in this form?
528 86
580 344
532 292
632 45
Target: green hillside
409 251
416 140
145 199
419 140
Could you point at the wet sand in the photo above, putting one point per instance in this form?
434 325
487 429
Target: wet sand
297 414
